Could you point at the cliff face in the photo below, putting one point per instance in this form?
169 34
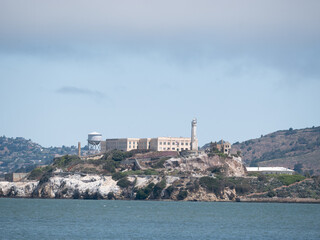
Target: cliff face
184 178
17 189
77 186
231 166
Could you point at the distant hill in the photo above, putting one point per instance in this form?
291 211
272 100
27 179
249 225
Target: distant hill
20 154
283 148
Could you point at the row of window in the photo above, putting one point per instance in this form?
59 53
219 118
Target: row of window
173 143
133 146
160 148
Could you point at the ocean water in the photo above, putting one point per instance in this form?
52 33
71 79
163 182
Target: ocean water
103 219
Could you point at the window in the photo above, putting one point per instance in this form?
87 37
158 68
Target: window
168 143
164 143
160 148
160 143
182 148
130 142
168 148
173 143
182 143
173 148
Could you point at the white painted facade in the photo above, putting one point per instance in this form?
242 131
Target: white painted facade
270 170
155 144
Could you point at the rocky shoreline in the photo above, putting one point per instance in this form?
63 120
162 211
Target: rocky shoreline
203 177
279 200
91 186
80 186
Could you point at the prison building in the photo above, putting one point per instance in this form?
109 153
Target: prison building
155 144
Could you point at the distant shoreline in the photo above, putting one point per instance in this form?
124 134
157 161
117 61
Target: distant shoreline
280 200
241 200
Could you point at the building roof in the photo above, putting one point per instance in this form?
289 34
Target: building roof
224 142
94 133
268 169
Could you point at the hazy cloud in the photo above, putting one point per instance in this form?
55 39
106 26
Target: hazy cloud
80 91
284 34
99 19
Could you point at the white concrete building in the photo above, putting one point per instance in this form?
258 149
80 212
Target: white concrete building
170 144
270 170
155 144
124 144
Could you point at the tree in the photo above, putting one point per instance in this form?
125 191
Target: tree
298 167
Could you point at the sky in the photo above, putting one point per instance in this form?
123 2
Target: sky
145 68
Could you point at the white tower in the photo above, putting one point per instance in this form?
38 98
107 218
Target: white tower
194 140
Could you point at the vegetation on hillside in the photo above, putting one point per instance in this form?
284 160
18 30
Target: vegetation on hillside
284 148
22 155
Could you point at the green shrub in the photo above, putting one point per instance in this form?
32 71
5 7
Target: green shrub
65 161
144 193
289 179
111 196
193 186
271 193
141 195
118 175
182 195
213 185
35 174
150 172
242 188
136 172
158 189
262 178
38 173
298 167
46 176
169 190
124 182
118 155
109 166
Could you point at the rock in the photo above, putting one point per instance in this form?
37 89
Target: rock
17 189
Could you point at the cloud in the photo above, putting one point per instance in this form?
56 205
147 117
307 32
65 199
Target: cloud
80 91
282 34
99 20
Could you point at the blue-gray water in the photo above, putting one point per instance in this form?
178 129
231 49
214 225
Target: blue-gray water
90 219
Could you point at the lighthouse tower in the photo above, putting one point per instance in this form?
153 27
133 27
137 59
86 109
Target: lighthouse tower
194 140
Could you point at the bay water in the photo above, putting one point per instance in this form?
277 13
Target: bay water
103 219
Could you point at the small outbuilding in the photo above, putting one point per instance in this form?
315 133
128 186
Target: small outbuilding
14 177
270 170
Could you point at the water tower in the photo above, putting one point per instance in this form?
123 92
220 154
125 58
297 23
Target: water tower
94 141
